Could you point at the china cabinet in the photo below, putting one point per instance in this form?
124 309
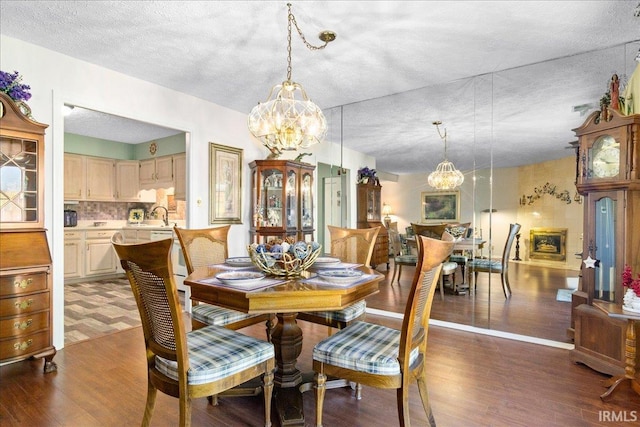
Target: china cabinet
281 200
608 177
370 215
25 260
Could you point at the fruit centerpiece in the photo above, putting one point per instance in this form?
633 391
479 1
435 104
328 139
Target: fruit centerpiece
286 257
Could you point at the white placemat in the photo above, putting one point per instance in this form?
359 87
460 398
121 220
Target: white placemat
335 266
267 282
225 266
320 281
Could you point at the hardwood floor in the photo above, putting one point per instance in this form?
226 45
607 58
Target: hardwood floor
532 309
475 380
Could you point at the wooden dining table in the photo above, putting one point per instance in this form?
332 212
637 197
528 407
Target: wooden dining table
285 299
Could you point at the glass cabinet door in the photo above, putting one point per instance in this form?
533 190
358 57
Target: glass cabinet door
605 274
272 181
307 200
292 199
18 180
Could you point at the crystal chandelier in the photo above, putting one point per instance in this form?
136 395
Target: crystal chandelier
285 122
446 176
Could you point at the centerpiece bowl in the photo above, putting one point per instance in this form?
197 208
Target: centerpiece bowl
288 260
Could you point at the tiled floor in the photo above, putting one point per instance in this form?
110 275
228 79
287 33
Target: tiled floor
98 308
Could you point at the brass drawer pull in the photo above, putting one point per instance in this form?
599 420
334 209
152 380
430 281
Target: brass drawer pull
24 304
23 283
23 325
22 346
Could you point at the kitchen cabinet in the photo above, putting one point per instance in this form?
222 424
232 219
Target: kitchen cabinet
100 179
156 172
75 182
369 216
25 260
100 257
127 180
180 176
608 177
281 200
73 254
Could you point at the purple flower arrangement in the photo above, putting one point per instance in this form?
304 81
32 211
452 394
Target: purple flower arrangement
365 175
10 84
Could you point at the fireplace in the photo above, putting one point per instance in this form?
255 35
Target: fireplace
548 244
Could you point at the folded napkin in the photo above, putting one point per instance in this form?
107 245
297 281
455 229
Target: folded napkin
267 282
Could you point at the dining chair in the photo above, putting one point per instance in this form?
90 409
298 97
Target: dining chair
207 246
480 265
350 246
187 365
383 357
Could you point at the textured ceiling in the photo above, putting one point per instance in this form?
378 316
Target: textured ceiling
395 66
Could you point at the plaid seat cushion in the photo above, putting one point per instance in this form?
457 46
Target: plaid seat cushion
345 315
486 264
406 259
460 259
215 353
364 347
218 316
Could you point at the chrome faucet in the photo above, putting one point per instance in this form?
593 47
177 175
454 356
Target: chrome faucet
166 214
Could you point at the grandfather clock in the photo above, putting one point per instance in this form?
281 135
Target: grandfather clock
608 176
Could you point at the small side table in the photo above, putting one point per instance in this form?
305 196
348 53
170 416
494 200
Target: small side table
630 348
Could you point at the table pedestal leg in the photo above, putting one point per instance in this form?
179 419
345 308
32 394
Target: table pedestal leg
630 364
287 340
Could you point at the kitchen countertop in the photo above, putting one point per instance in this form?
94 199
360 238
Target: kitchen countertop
85 225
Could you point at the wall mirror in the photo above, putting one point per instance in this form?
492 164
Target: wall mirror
497 112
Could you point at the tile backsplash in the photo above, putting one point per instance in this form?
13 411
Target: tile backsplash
93 211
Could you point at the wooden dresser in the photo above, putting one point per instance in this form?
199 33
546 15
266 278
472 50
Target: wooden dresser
369 216
25 261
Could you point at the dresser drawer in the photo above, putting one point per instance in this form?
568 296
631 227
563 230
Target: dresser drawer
22 283
24 325
21 305
21 346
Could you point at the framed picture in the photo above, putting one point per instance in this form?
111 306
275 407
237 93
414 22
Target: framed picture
440 207
225 184
548 243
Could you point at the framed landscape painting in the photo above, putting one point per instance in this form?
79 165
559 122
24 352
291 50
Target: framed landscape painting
440 207
225 192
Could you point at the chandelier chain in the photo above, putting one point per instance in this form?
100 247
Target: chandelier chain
292 19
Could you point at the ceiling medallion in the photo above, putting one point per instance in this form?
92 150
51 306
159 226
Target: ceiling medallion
284 123
446 176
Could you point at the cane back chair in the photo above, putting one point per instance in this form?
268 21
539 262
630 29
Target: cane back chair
383 357
199 363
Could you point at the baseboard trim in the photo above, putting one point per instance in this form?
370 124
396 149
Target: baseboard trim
476 330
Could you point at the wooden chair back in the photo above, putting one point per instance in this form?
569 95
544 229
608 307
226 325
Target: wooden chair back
204 246
433 231
148 268
395 245
353 245
513 230
415 324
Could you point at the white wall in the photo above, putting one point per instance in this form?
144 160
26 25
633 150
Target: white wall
57 79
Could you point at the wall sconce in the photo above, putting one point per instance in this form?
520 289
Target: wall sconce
386 211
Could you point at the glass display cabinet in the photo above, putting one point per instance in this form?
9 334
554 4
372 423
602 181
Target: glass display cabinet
281 200
25 260
608 177
369 216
